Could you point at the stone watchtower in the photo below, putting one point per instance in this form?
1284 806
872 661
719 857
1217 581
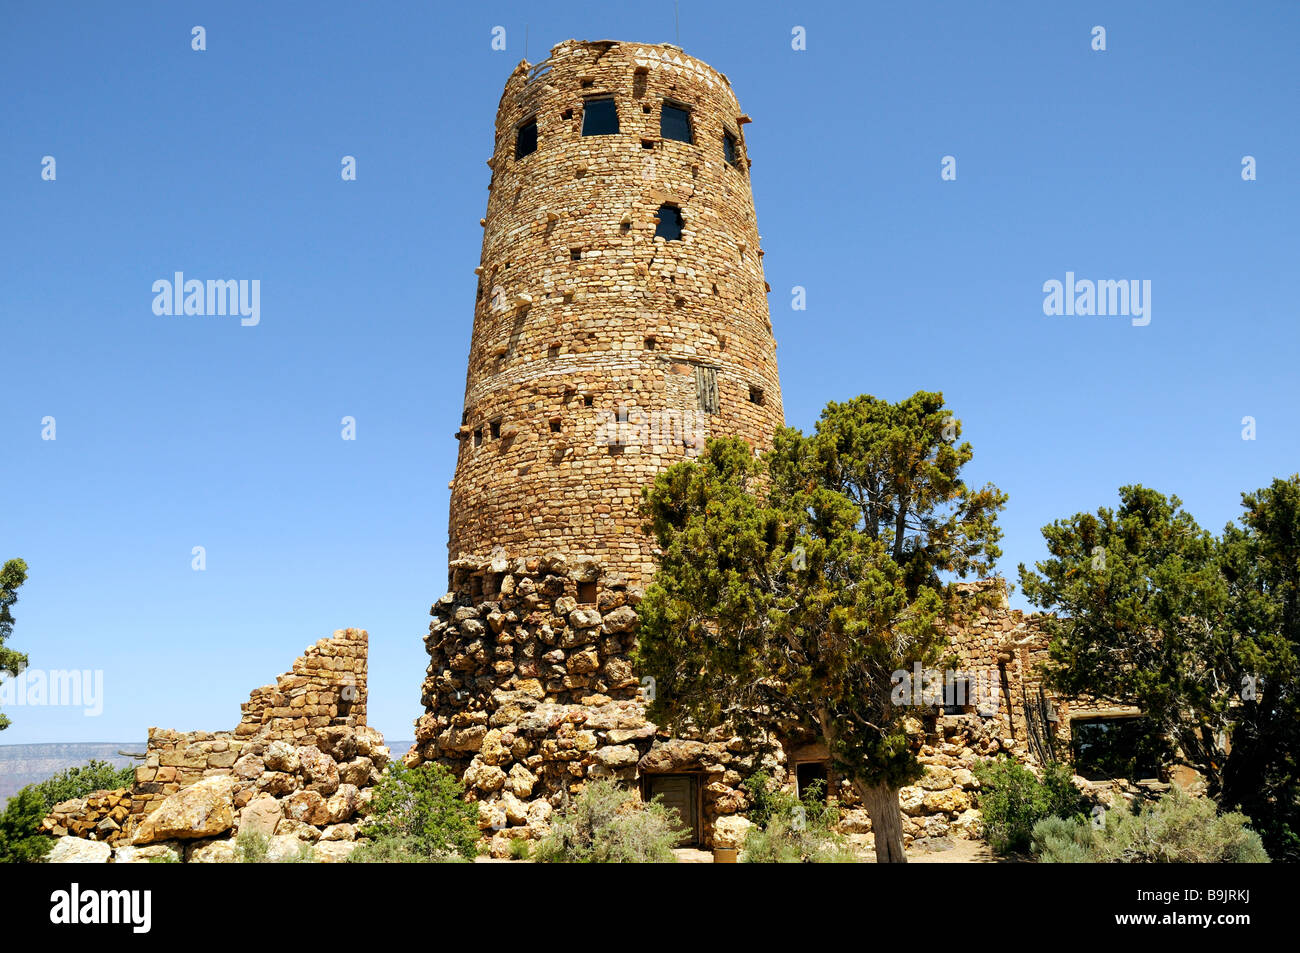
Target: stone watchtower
621 315
621 319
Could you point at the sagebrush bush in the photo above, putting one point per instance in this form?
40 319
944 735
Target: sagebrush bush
606 824
1012 799
421 811
1178 828
788 830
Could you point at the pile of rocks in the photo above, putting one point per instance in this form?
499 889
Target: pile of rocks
97 816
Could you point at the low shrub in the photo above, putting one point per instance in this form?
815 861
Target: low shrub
788 830
1012 799
422 811
1178 828
606 824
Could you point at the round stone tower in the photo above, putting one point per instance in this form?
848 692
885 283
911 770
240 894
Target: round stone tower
621 316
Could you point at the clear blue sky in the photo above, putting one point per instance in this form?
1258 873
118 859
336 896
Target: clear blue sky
174 432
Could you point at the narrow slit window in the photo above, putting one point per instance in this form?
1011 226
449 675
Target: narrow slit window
526 139
599 117
478 437
670 223
729 151
706 389
495 428
675 123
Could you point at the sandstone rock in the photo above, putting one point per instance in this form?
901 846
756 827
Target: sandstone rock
539 817
289 827
319 770
204 809
491 815
520 781
343 803
78 850
211 852
260 816
516 811
171 852
969 824
671 756
337 741
281 757
484 777
936 778
584 618
622 619
951 801
730 831
277 783
249 767
356 771
333 852
617 756
911 799
306 806
338 832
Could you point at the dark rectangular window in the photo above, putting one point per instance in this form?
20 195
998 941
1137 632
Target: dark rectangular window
670 223
1108 748
729 149
599 117
675 123
526 139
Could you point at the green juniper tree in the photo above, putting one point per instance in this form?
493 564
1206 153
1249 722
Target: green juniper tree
1201 633
801 583
12 575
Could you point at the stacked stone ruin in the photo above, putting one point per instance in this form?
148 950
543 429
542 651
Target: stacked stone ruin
298 768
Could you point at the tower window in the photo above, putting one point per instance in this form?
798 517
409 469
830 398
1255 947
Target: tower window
675 123
706 389
555 425
496 429
755 394
526 139
599 117
478 437
729 150
670 223
575 254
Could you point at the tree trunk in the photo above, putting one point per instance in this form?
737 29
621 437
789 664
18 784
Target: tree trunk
881 802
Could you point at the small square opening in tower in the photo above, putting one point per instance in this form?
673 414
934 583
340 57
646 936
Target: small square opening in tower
567 114
755 395
553 350
675 123
599 117
670 223
650 342
588 400
587 593
555 424
526 139
575 254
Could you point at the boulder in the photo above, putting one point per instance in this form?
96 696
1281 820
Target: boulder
260 816
203 809
78 850
730 831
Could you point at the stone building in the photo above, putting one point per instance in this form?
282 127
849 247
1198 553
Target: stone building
620 320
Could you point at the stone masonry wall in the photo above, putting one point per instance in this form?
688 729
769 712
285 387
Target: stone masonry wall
299 765
529 693
581 311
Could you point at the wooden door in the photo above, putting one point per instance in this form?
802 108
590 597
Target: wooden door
678 793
